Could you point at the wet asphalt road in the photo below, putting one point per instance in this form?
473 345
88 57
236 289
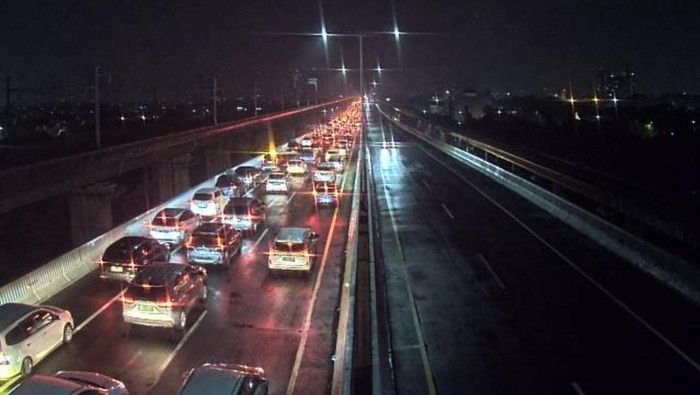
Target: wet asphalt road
490 295
249 317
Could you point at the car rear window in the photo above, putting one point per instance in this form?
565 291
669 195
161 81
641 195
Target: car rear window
164 221
288 247
202 196
148 292
276 176
204 240
117 254
237 209
224 181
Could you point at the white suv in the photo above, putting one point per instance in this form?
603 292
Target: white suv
208 202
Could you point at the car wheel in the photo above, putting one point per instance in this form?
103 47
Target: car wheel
182 321
27 366
67 333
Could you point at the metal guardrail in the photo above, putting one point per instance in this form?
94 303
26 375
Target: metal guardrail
58 274
668 269
649 218
38 181
342 368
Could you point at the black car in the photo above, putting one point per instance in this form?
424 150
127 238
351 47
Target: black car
293 145
249 176
227 184
126 256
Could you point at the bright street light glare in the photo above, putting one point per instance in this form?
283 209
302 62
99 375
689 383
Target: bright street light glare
396 33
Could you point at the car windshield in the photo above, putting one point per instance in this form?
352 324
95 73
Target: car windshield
286 247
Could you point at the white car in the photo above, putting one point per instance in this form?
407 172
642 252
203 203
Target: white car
296 167
330 153
294 250
337 161
28 334
173 225
71 383
325 172
278 182
208 202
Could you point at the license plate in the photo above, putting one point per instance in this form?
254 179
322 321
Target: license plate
117 269
288 258
202 205
145 308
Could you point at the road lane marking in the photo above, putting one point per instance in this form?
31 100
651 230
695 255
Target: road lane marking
493 272
574 266
98 312
179 346
425 183
290 198
314 295
577 388
264 232
9 385
427 370
447 210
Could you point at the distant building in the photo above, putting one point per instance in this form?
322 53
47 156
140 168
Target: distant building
619 86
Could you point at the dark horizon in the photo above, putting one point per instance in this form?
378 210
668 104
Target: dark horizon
172 46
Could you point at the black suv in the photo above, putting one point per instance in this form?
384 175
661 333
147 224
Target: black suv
249 176
215 243
163 294
227 184
126 256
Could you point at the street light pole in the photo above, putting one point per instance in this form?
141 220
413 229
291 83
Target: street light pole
98 137
362 70
214 99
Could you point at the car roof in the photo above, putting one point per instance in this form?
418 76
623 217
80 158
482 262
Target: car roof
206 190
11 312
292 235
41 384
159 273
241 200
129 242
217 379
171 212
209 227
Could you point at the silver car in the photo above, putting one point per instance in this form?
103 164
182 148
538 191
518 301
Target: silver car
28 334
71 383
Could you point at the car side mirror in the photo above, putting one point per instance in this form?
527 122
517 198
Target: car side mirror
314 236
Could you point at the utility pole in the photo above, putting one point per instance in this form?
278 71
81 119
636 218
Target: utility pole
255 98
362 70
214 99
7 97
98 137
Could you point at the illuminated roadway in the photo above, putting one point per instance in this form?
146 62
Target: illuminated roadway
487 295
509 300
249 318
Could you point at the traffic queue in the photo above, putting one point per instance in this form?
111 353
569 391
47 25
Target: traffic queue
210 230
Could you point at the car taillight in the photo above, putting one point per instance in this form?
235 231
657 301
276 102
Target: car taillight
126 299
219 243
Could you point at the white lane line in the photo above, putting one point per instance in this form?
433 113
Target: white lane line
493 272
427 370
577 388
98 312
258 240
317 286
290 198
9 385
447 210
425 183
179 346
574 266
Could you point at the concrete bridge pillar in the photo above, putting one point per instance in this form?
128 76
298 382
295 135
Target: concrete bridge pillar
169 177
216 160
91 211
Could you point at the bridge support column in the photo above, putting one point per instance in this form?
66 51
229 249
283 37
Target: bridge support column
91 211
216 160
169 177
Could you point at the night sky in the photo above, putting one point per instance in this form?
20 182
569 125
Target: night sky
169 45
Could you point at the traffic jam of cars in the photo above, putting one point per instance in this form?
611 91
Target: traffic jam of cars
209 231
